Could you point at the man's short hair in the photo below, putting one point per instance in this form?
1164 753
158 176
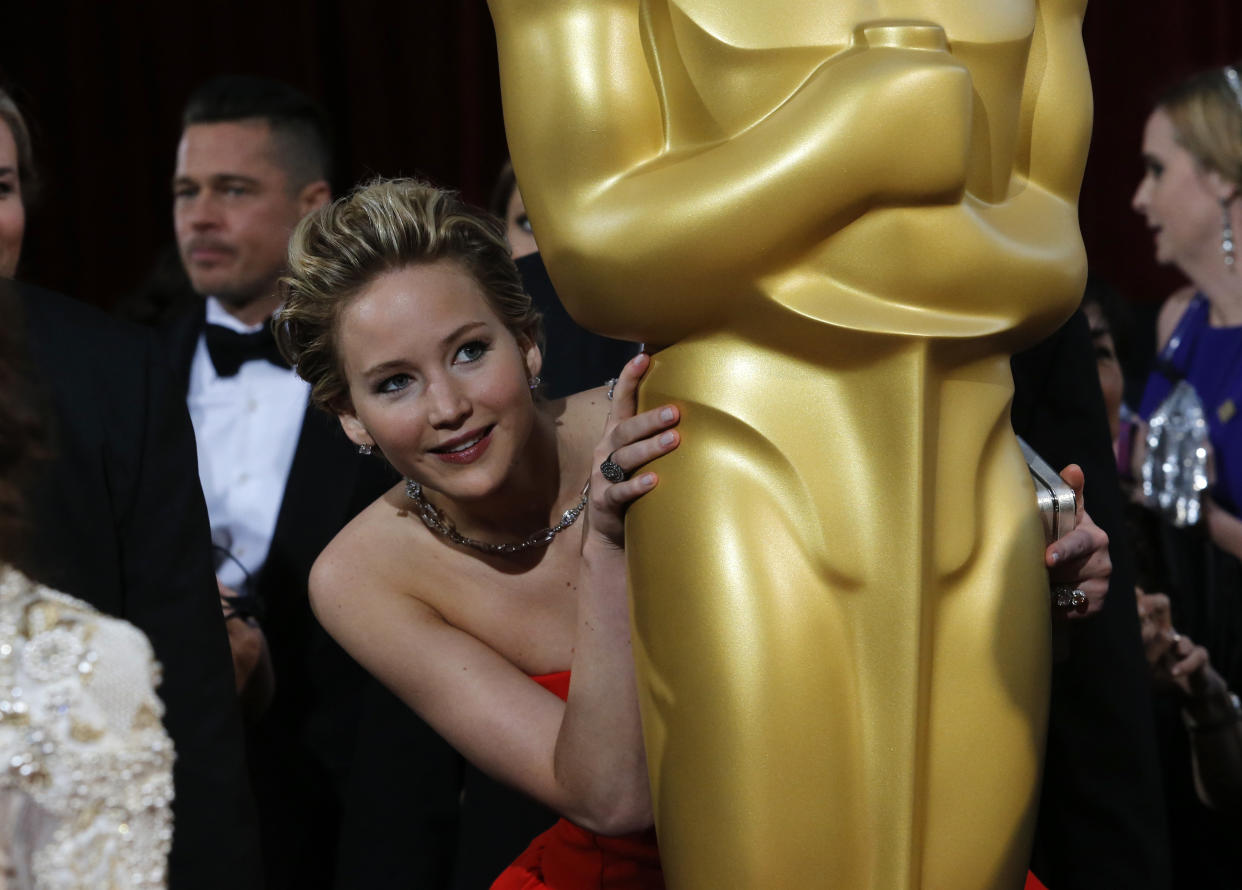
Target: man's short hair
301 132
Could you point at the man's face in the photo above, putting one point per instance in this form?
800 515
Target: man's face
233 211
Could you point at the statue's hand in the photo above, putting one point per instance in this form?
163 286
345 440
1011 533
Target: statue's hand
906 104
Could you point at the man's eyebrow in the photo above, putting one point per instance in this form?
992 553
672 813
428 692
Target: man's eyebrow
233 177
217 179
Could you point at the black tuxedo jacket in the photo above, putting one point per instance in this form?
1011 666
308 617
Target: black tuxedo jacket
1101 815
117 519
343 772
328 484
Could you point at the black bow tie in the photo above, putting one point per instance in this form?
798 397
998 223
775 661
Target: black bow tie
230 350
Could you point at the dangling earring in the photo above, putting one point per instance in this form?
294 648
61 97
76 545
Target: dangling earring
1226 236
365 448
535 381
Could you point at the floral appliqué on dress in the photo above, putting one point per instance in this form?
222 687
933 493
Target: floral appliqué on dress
85 764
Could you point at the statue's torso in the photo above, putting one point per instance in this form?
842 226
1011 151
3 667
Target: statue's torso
980 265
793 23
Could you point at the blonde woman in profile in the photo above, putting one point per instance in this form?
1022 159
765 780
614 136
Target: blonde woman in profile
1192 154
1189 195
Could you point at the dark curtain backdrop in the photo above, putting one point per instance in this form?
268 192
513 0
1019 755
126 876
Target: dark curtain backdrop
413 88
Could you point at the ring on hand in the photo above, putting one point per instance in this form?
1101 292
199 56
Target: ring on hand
611 471
1067 597
612 387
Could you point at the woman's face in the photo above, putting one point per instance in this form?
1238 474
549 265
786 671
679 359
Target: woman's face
12 210
436 379
1181 200
517 227
1112 383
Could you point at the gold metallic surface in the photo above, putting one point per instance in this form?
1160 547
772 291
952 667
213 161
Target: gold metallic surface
838 219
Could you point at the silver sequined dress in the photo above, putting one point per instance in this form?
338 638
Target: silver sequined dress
85 764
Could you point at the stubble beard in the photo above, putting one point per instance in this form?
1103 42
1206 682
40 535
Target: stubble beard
237 296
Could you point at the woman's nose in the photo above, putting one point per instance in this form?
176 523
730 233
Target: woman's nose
1139 200
449 405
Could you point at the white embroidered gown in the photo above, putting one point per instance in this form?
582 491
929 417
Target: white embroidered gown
85 764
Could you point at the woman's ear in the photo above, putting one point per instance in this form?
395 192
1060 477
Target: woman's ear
1223 188
354 428
532 356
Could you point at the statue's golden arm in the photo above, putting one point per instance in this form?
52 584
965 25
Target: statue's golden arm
1056 107
869 127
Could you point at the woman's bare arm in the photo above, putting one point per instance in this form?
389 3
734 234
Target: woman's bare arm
583 758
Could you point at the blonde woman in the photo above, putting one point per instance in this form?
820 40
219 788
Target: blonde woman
475 587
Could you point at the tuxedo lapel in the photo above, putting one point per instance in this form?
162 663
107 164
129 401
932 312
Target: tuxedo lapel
316 503
328 484
180 339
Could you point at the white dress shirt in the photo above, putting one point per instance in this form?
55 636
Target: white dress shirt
247 427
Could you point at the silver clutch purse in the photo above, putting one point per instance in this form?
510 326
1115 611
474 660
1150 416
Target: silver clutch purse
1056 500
1174 473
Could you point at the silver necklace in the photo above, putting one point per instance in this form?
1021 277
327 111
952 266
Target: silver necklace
433 517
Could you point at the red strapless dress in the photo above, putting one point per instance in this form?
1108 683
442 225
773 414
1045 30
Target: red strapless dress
566 857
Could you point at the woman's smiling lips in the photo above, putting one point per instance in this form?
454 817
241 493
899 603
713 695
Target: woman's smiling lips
466 448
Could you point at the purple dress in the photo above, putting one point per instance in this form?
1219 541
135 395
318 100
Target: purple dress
1211 360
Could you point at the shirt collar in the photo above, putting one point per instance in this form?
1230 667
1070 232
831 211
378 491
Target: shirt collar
217 314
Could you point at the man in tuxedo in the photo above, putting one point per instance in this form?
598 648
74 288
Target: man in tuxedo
280 480
115 517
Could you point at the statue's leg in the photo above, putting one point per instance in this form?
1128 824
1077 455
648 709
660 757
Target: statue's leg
988 649
750 711
809 727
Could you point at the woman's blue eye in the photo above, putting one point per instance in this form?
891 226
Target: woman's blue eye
471 352
395 383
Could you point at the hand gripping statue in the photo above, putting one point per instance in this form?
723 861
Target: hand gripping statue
835 221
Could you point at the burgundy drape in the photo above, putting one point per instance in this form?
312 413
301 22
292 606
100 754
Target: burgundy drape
412 87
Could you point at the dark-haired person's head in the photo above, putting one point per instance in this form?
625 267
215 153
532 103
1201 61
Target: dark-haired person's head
254 158
506 202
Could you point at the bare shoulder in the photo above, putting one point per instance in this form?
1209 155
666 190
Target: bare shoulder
587 409
360 560
1171 313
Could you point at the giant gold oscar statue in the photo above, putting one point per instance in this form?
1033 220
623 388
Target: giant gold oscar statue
834 220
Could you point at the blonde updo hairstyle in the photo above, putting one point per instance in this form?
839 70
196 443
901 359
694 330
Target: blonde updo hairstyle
379 227
1206 111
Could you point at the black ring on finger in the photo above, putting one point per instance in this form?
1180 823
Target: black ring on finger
1066 596
611 470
